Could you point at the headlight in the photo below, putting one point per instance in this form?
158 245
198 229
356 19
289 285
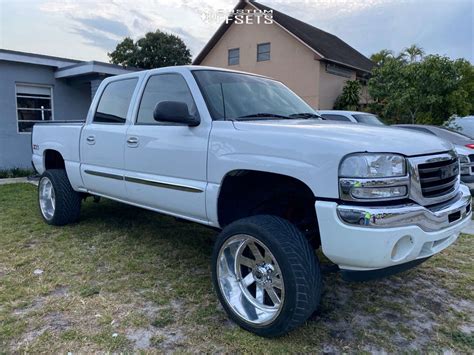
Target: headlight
373 177
464 162
366 165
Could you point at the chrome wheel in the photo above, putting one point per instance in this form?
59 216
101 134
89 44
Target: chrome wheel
250 279
47 198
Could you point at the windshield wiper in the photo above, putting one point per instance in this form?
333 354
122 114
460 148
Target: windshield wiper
305 115
264 114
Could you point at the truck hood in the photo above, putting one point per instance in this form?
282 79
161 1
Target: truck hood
353 137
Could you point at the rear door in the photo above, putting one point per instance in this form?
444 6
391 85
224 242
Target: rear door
103 140
165 163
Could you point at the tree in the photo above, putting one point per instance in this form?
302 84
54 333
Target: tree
155 50
381 57
413 53
349 98
426 91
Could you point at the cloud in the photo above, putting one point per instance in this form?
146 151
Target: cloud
370 25
98 23
95 38
103 24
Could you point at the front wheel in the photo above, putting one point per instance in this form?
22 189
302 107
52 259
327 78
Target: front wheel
58 202
266 275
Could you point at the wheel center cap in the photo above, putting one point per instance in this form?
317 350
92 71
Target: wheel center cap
263 273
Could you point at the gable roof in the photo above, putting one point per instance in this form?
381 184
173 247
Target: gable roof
328 46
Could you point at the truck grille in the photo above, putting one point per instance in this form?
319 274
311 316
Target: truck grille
438 178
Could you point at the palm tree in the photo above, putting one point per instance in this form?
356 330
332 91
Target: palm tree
381 57
413 53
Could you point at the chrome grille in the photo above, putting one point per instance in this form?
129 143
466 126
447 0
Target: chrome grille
438 178
434 178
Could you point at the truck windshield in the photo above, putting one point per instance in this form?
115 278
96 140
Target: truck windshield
239 96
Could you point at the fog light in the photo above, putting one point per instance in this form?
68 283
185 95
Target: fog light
378 192
402 248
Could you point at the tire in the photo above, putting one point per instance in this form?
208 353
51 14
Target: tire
293 275
65 205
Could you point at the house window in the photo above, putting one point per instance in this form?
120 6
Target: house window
233 56
263 52
34 104
338 70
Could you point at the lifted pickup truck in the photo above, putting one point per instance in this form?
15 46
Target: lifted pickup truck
243 154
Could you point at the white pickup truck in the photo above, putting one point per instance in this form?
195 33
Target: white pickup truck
245 155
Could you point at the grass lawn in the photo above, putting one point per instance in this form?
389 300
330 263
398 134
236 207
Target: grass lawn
126 279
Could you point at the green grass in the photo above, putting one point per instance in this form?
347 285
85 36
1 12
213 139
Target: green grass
125 279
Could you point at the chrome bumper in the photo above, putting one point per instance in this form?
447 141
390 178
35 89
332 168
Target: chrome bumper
429 219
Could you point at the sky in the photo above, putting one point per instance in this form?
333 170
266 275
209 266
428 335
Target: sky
88 30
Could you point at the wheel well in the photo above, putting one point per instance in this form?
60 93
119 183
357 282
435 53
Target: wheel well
246 193
53 160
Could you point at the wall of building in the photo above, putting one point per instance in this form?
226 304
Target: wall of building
291 62
330 86
70 102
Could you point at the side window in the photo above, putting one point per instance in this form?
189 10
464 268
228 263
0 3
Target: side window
233 56
164 87
115 101
263 52
334 117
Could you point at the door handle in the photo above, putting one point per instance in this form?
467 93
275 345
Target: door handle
90 139
132 140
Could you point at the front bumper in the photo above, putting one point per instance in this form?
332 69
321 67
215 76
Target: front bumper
361 238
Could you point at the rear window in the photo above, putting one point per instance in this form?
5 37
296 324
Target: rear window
452 136
368 119
115 101
332 117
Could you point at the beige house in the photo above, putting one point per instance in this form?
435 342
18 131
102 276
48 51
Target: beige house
313 63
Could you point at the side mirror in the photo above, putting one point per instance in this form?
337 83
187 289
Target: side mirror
176 112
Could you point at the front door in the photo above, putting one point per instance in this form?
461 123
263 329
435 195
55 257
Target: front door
103 141
166 163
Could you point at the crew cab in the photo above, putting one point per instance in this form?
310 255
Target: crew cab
243 154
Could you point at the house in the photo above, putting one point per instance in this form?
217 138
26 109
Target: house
36 88
313 63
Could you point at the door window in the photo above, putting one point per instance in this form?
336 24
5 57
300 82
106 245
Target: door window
115 101
164 87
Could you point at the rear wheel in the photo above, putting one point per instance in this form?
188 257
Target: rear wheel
266 275
58 202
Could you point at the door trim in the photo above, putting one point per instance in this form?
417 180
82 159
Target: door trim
106 175
166 185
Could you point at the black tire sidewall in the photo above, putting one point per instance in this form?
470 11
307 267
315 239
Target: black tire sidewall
67 201
279 325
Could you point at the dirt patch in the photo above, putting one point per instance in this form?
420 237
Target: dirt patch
141 338
54 322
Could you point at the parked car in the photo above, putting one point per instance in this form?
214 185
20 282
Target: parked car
243 154
351 116
463 144
464 125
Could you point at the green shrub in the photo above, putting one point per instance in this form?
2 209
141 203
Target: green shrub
15 172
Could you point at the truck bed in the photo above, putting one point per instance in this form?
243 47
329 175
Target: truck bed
63 136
